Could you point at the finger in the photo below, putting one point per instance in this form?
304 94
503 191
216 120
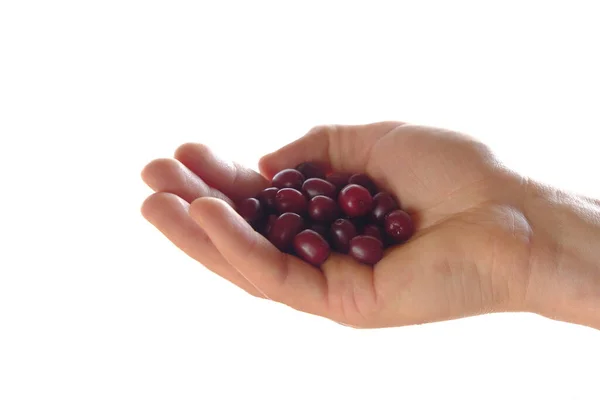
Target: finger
343 148
279 276
169 214
235 181
169 175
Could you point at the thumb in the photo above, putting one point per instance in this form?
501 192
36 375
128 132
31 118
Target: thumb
343 148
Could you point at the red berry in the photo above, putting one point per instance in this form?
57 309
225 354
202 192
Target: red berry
311 170
321 229
374 231
366 249
383 204
318 187
338 179
288 178
355 201
251 210
290 200
284 229
364 181
269 224
311 247
341 232
267 197
399 226
323 209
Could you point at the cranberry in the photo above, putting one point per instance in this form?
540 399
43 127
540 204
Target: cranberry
383 204
338 179
288 178
268 224
284 229
251 210
290 200
323 209
399 226
267 197
355 200
311 247
321 229
318 187
364 181
342 231
366 249
374 231
311 170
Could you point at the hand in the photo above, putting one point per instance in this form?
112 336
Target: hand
470 253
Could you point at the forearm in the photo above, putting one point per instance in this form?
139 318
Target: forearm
564 279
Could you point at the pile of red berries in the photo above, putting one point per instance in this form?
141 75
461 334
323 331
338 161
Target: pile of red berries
307 213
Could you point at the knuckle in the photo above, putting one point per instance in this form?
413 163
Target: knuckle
324 129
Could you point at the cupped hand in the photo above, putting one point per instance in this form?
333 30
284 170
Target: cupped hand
469 255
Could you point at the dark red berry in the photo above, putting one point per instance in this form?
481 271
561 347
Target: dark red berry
338 179
355 200
288 178
267 197
321 229
311 170
366 249
311 247
268 224
318 187
383 204
290 200
323 209
250 209
373 230
284 229
399 226
364 181
341 232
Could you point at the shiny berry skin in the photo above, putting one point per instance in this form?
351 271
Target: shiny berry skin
341 232
364 181
399 226
311 247
338 179
318 187
323 209
383 204
251 210
366 249
311 170
284 229
288 178
321 229
355 201
267 197
290 200
374 231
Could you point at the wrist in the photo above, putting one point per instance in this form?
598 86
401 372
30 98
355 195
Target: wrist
564 262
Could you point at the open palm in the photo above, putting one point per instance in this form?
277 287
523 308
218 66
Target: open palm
469 254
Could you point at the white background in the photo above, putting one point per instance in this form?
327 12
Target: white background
96 304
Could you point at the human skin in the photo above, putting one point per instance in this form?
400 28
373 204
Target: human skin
487 238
